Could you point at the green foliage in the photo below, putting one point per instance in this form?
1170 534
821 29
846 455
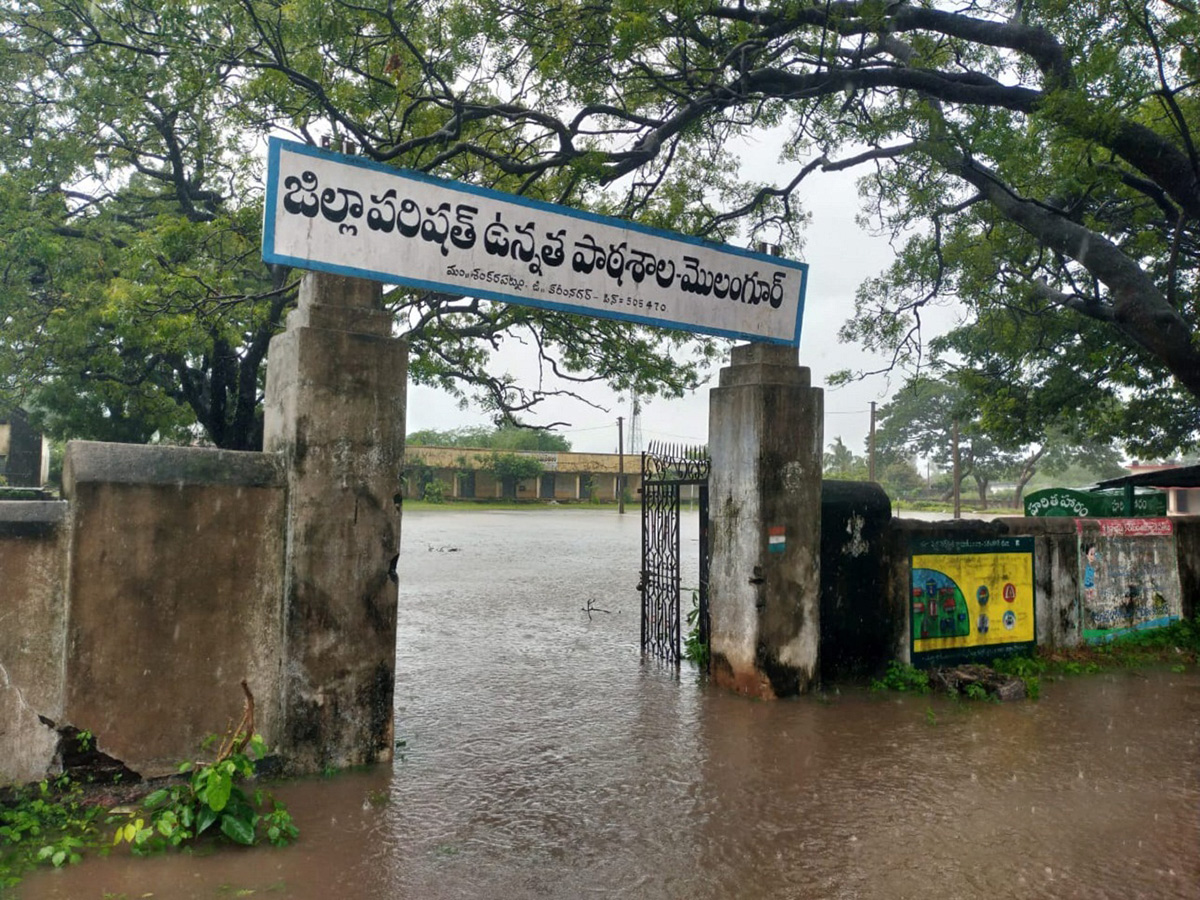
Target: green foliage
841 463
1183 635
1175 645
694 648
1035 166
49 824
211 801
976 691
1020 666
435 491
134 301
920 418
903 677
506 437
1033 687
511 465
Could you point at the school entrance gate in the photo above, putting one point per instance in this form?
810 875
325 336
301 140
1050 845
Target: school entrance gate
665 470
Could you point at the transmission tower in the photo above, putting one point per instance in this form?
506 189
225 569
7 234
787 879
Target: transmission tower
635 426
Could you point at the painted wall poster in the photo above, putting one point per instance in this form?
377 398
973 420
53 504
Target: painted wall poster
1128 576
972 600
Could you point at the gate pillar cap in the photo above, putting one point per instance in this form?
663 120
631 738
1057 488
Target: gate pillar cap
764 364
341 303
764 354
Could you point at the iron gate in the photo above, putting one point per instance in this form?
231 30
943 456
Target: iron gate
665 469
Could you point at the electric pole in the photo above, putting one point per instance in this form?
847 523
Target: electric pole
621 465
957 476
871 449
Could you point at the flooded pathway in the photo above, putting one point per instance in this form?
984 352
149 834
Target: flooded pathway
541 758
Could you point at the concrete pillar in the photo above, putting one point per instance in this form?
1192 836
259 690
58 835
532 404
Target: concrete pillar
765 438
336 384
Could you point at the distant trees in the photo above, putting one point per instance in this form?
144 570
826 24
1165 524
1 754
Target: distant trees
506 437
898 476
841 463
920 420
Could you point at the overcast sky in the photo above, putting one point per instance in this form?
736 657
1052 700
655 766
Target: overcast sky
839 254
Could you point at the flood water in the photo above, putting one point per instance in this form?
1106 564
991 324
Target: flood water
543 758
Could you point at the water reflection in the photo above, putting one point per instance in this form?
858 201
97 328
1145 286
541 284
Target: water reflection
542 758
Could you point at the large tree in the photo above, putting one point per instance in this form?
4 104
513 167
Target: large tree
133 299
1036 160
132 296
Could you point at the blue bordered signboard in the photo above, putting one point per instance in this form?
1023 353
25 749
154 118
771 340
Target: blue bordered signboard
341 214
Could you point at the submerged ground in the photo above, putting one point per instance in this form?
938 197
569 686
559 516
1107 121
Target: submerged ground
540 757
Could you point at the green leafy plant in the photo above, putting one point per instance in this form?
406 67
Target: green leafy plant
435 491
694 648
976 692
1020 666
1033 687
902 677
211 801
49 824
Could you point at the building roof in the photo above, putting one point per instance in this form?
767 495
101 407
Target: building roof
1175 477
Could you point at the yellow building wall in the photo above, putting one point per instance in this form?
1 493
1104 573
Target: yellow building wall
571 473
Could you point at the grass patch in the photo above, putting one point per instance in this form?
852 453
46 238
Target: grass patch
1176 645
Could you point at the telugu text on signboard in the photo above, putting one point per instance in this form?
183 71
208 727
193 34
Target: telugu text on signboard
346 215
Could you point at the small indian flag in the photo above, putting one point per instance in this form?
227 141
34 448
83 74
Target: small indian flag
776 540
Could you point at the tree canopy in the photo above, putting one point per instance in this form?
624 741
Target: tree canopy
1034 160
133 298
508 437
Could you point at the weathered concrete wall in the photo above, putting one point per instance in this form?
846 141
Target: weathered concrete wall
176 577
336 387
1187 544
179 572
1056 576
1056 570
33 543
765 436
856 614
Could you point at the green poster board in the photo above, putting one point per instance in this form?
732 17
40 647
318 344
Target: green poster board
1093 504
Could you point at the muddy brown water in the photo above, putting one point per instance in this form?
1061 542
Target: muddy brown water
542 758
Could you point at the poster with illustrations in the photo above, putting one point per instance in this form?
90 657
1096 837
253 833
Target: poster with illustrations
972 600
1128 576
